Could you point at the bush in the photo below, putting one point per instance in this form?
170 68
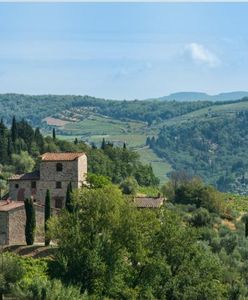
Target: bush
11 272
196 193
200 217
97 181
229 242
129 186
50 290
23 162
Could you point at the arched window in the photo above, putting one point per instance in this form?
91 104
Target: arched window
59 167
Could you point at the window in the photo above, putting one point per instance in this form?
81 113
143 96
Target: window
33 184
58 185
59 167
58 202
16 185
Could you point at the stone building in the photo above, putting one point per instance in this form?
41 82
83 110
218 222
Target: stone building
56 171
12 222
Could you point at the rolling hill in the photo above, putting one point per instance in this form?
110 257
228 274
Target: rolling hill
196 96
204 137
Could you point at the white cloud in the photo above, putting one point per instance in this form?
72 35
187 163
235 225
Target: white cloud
201 54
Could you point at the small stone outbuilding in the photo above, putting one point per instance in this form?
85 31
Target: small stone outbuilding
13 220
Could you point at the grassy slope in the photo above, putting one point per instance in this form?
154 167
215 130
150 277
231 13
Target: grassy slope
160 167
133 133
213 112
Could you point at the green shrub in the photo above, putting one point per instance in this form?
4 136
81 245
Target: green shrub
48 290
129 186
200 217
11 272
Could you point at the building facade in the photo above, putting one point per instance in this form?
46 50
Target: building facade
13 219
56 171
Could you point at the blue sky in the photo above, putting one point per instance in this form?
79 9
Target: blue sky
123 50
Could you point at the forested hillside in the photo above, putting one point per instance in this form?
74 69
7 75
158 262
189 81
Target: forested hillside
206 138
213 147
35 108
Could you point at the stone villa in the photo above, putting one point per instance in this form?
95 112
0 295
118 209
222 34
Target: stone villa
56 171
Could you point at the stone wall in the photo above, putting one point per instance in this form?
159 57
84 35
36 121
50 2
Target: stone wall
15 224
15 193
48 171
54 192
4 232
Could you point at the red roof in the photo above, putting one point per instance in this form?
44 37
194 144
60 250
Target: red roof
61 156
9 205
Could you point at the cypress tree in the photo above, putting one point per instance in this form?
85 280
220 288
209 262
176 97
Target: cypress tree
39 139
47 216
54 134
3 144
14 130
245 220
10 149
148 141
103 146
124 145
68 201
93 146
76 141
30 221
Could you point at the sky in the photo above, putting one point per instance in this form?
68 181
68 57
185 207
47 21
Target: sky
123 50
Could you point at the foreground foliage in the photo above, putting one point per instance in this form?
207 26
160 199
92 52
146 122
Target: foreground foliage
111 249
108 249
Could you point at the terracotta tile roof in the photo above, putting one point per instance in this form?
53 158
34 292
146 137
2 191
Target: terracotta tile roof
148 202
27 176
9 205
68 156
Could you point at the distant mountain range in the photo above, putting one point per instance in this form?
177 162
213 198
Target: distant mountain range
196 96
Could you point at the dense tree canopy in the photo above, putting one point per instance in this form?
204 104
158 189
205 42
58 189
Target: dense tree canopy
203 148
114 250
